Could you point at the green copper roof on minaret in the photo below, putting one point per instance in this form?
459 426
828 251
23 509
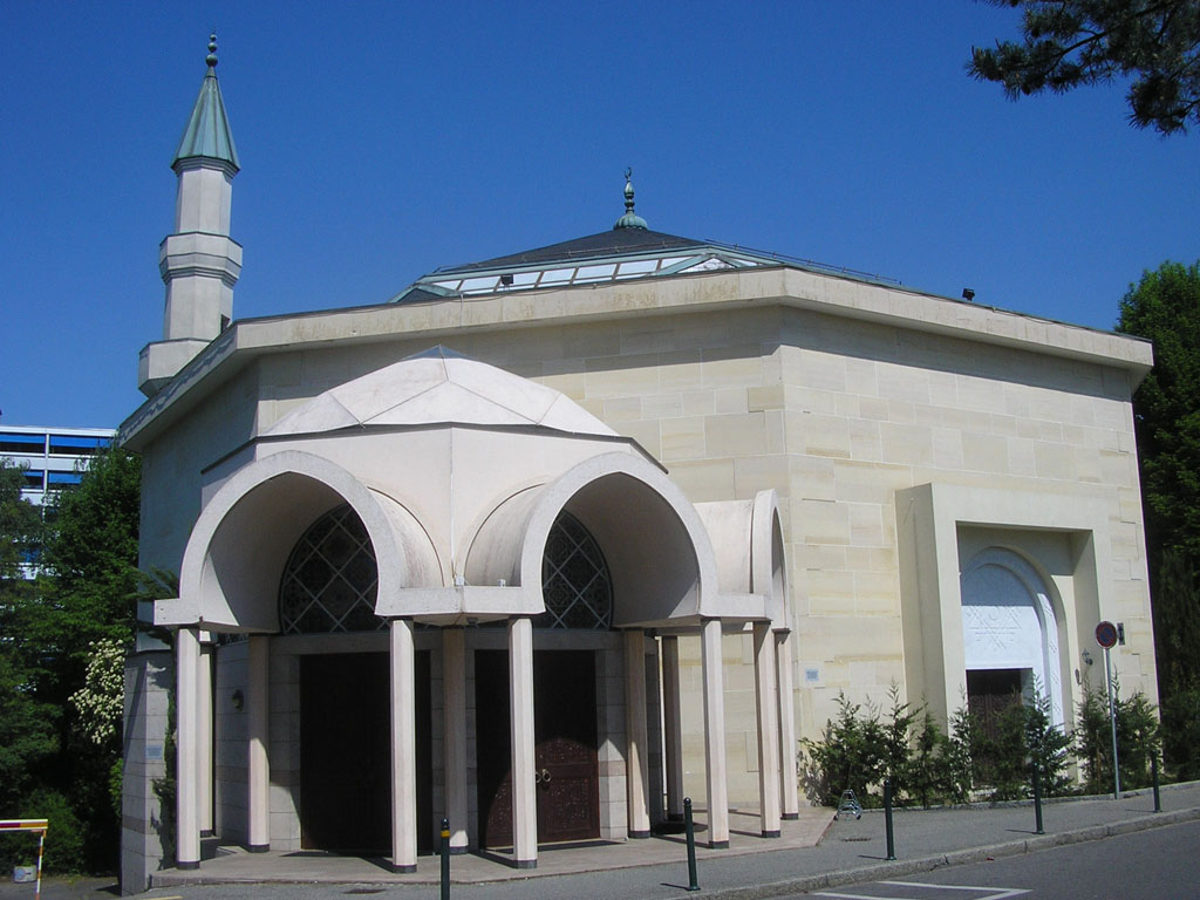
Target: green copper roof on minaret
630 219
207 134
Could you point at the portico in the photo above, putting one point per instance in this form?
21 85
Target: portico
570 540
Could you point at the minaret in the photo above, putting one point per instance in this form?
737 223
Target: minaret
199 262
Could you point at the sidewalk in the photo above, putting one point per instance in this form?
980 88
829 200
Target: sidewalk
850 851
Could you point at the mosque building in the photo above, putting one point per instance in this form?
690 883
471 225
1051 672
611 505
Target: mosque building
548 542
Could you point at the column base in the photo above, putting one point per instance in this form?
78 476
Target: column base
459 851
187 866
639 835
790 817
718 845
771 834
207 833
258 848
407 869
524 863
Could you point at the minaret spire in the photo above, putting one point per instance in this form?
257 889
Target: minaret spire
199 262
630 219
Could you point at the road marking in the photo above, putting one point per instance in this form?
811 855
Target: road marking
990 893
1003 892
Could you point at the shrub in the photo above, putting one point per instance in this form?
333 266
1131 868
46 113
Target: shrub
960 770
858 750
849 755
928 769
1047 745
65 850
1137 739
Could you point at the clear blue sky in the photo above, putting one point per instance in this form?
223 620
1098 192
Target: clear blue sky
381 140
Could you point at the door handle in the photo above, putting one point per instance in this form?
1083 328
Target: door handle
545 776
537 777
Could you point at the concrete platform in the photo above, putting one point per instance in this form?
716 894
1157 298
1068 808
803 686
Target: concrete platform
233 865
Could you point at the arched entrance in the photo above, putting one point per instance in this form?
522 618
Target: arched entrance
328 586
1010 635
577 590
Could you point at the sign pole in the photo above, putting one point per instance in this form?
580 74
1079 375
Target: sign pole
1112 715
1107 635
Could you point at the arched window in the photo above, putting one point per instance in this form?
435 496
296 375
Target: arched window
576 586
330 579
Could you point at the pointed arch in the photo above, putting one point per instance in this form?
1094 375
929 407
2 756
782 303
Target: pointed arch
235 554
1012 619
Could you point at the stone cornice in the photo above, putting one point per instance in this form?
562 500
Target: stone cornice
782 286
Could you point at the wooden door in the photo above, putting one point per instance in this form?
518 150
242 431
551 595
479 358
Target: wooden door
989 693
568 796
346 756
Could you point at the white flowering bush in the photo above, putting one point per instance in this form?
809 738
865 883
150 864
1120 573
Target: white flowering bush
100 700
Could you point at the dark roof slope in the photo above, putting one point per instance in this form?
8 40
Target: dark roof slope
604 244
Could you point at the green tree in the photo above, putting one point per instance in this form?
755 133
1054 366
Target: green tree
1165 308
92 553
1068 43
26 725
20 533
82 600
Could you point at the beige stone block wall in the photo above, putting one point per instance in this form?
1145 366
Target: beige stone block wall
835 414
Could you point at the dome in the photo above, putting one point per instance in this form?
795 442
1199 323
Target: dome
439 386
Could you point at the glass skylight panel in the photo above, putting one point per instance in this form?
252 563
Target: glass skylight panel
486 283
591 270
637 267
595 273
557 276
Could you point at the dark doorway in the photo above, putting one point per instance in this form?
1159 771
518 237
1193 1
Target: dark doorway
346 753
568 789
989 693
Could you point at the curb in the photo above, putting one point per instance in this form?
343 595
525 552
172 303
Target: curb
963 857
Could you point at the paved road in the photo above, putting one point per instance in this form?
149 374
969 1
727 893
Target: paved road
933 848
1161 863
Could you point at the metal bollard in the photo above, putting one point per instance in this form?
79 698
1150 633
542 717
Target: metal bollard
445 859
690 830
1037 799
887 818
1154 775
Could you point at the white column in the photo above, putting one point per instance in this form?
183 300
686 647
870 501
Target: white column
672 727
258 693
404 745
520 704
714 734
787 727
187 711
204 748
766 704
454 707
637 774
